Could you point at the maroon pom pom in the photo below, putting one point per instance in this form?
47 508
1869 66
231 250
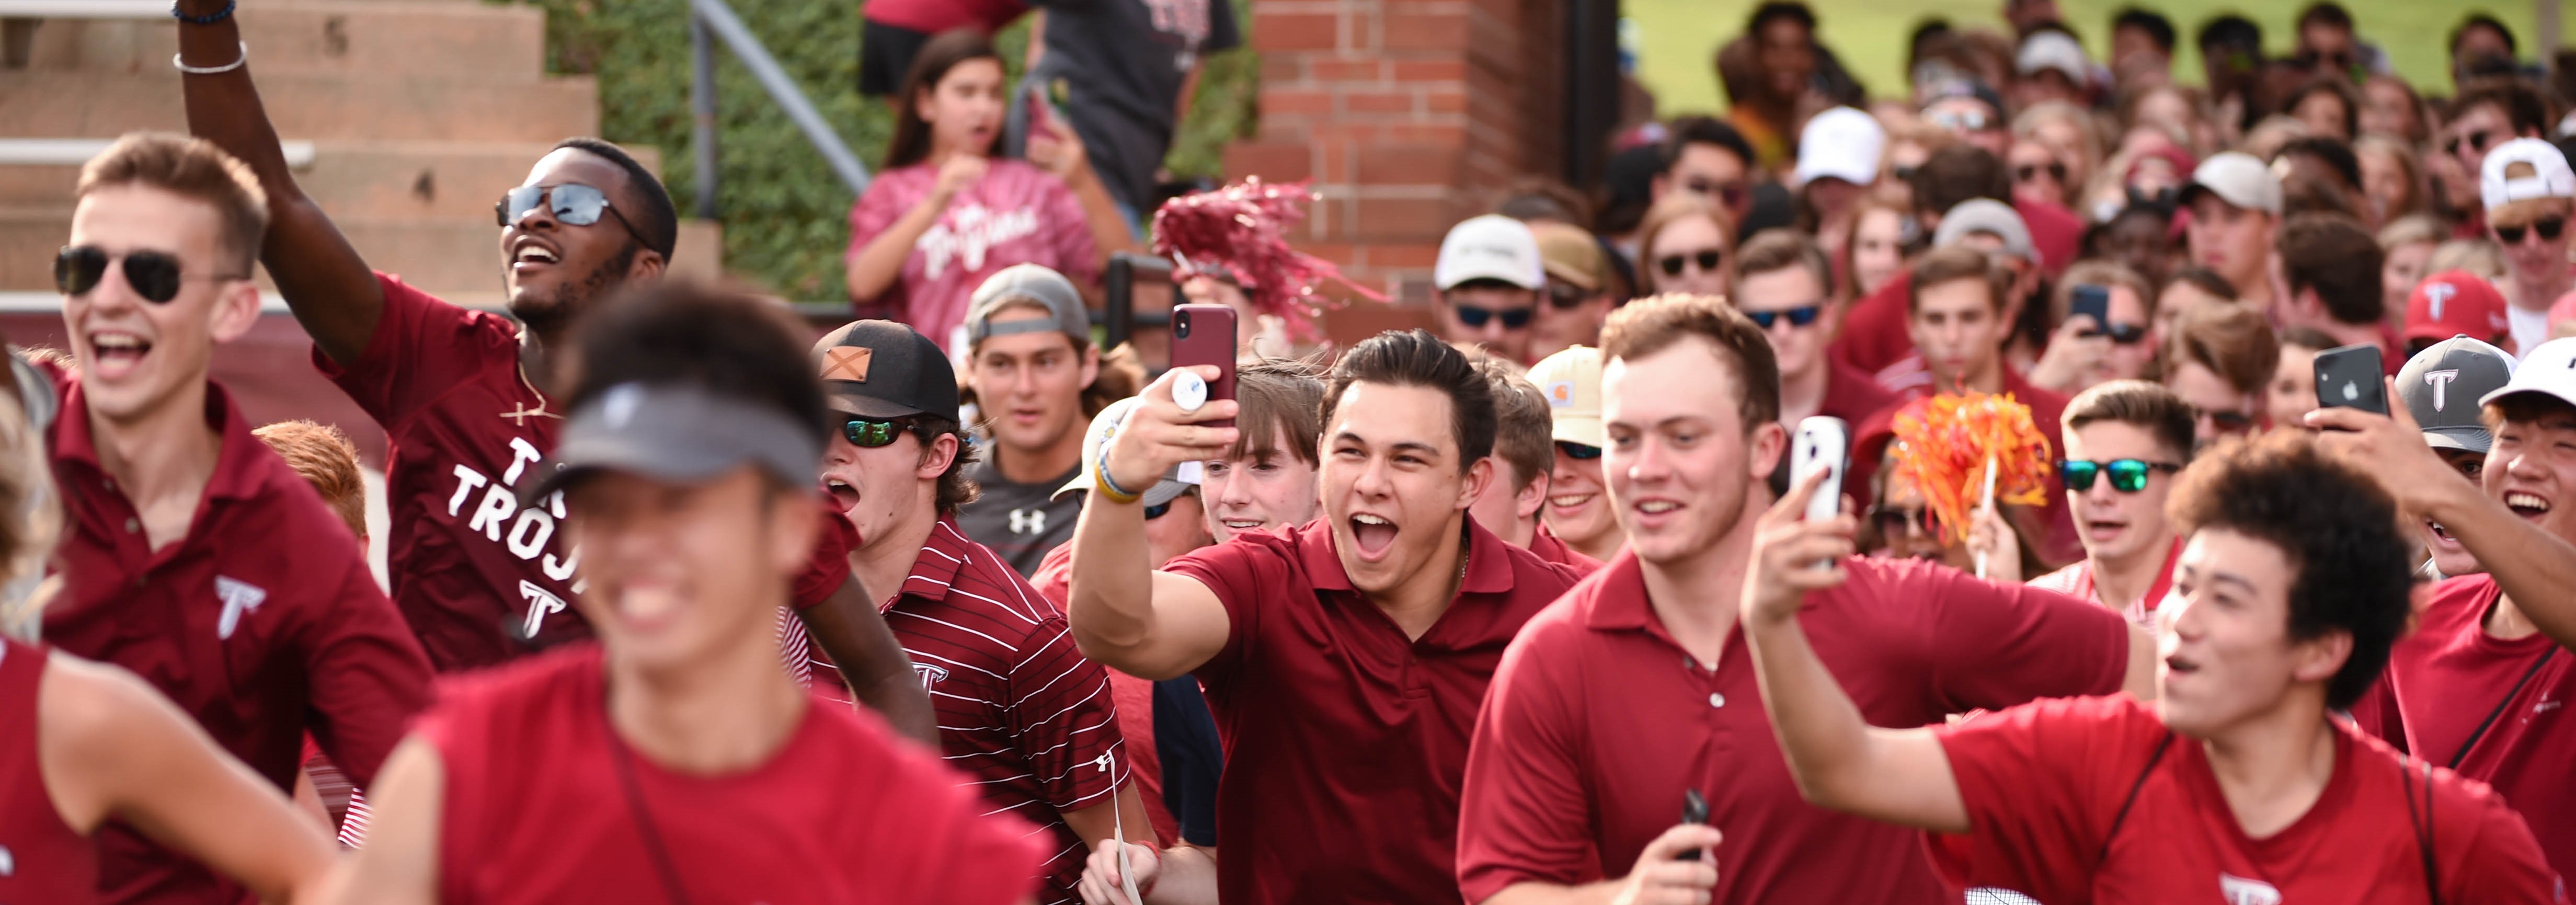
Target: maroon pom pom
1240 231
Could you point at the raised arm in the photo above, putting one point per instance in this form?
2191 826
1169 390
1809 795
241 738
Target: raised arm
111 746
872 662
399 863
330 289
1898 776
1147 624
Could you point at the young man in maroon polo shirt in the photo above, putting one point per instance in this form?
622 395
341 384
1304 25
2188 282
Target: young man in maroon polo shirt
1524 456
1634 690
2238 784
673 760
2481 686
1019 708
464 395
2124 442
1343 658
192 554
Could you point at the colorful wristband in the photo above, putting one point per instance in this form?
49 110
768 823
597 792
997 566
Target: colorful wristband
1109 486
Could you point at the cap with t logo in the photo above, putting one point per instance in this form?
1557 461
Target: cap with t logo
2441 387
882 369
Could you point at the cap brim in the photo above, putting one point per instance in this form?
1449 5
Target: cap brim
2510 389
675 436
1163 491
866 406
1464 277
1584 429
1574 276
2469 439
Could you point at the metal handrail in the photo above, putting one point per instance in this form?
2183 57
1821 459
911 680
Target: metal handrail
709 19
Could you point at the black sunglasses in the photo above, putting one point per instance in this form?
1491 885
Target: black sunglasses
2226 422
2549 229
2122 334
2029 171
1157 511
1475 318
1706 258
1565 296
870 433
574 204
1894 521
153 275
1732 194
1580 452
2127 475
2477 142
1801 316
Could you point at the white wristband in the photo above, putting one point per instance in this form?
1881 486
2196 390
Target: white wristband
213 70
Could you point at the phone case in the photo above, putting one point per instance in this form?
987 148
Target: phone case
1821 442
2091 300
1204 335
2350 377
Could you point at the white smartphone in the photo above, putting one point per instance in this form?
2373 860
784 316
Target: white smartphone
1821 443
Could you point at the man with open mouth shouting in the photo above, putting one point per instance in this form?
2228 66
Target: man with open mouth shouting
1344 658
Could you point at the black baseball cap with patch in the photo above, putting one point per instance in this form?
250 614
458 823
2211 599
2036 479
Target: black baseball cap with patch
882 369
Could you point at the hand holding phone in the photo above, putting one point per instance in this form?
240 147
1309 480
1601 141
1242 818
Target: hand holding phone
1821 443
2093 302
2349 377
1204 335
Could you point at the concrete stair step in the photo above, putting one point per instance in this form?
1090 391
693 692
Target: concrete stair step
442 41
360 179
78 104
439 255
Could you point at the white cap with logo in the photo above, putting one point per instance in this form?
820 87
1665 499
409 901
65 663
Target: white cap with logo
2237 178
1841 143
2549 176
1490 247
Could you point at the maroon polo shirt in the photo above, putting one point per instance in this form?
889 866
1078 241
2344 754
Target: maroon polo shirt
262 623
1598 721
1345 740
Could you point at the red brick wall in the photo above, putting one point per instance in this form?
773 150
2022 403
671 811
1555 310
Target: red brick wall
1408 115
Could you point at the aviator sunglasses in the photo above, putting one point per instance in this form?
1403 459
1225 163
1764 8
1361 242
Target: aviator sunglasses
574 204
2127 475
153 275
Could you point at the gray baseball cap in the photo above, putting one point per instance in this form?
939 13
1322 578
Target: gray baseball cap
1986 215
677 433
1028 284
2441 387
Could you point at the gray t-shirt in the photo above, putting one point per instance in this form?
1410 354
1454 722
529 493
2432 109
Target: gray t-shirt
1017 521
1122 63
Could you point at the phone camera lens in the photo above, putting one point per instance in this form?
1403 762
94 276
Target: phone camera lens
1181 325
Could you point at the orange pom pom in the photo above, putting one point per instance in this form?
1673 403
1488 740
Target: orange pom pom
1947 441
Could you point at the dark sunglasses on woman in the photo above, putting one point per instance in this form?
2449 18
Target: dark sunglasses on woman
2127 475
2549 229
1706 258
2029 171
2123 334
1898 521
153 275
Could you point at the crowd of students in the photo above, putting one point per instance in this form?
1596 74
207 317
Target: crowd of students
687 606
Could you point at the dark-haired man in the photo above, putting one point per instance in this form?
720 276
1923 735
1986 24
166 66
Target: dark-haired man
2328 45
2479 43
1708 158
2231 64
673 760
2330 265
1345 657
2482 685
2236 784
191 554
1019 708
2142 44
1635 686
465 396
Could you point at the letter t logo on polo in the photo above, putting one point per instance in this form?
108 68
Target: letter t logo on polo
2440 381
239 597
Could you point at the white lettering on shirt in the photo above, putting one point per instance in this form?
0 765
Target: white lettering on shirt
239 597
522 455
466 480
2240 891
497 506
529 534
525 532
968 233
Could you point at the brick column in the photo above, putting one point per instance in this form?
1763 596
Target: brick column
1408 115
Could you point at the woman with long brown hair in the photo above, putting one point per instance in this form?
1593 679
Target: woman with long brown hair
947 210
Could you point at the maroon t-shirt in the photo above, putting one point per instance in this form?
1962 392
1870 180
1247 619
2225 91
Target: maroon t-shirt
470 569
1598 720
931 17
1018 706
2069 803
1345 740
1554 549
2450 676
537 811
49 862
262 623
1873 333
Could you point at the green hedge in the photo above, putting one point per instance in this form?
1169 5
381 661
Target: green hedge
785 214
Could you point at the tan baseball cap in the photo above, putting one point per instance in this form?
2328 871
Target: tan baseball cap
1571 380
1570 254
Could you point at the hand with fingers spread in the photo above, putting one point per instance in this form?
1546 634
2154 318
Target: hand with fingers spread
2077 357
1101 884
1792 556
1662 876
1158 434
2391 448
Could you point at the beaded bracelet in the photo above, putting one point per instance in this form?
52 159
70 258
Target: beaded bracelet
220 15
1109 486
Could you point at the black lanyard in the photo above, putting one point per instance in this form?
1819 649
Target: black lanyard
642 814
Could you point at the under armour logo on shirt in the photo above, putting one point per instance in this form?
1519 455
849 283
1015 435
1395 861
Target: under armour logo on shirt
2240 891
930 675
1028 521
2440 381
239 597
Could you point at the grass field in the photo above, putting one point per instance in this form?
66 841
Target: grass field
1677 39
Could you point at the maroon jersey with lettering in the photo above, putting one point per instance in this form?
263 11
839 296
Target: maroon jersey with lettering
41 858
262 623
545 804
472 571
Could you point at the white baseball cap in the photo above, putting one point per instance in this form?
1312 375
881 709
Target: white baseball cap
1841 143
1490 247
2549 368
2046 50
2550 177
2237 178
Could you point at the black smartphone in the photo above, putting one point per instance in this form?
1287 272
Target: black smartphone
2350 377
1694 810
2093 302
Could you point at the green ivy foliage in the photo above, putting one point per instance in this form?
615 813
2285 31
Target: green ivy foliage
785 213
